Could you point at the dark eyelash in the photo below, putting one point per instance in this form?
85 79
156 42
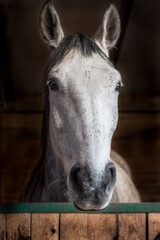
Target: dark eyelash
53 84
119 85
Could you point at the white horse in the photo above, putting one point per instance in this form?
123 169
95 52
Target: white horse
80 116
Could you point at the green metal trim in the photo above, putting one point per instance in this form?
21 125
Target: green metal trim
69 208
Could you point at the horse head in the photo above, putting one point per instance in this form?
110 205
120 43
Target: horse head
82 88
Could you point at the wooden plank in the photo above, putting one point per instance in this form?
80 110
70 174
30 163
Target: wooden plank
70 208
144 122
21 120
153 225
73 226
101 226
139 102
18 226
2 226
132 226
45 226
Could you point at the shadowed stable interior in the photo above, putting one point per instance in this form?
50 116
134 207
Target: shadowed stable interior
23 60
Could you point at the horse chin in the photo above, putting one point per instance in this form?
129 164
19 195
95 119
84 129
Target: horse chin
88 204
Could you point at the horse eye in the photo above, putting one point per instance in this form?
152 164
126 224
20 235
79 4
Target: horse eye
53 85
119 84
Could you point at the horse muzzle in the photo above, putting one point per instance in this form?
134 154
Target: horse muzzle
91 190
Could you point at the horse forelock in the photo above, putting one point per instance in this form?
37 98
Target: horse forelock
84 43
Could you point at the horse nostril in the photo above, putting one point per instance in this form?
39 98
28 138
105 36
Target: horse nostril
75 178
112 169
110 175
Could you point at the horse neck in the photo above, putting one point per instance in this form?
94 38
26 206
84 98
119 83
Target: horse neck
55 177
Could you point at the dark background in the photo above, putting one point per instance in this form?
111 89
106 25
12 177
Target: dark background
23 57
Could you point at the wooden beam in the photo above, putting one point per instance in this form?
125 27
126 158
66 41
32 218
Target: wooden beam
18 226
101 226
132 226
73 226
2 227
153 226
45 226
69 208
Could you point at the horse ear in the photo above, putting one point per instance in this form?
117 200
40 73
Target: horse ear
109 31
50 26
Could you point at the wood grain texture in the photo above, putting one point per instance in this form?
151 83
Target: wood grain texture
101 226
73 226
45 226
2 226
18 226
132 226
153 225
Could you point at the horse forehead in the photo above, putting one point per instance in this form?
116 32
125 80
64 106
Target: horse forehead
81 67
83 71
75 61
